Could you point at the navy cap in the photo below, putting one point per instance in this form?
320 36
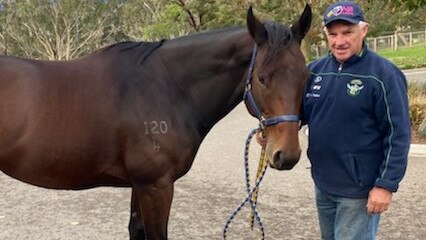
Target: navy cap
347 11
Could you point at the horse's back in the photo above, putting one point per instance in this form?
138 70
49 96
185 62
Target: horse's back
56 119
96 120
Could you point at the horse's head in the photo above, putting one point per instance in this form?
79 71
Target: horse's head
275 85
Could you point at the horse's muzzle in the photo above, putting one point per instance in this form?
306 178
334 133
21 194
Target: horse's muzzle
284 161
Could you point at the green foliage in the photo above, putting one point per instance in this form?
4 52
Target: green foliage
407 58
164 27
226 16
407 4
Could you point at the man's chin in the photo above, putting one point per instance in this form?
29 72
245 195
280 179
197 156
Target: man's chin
341 57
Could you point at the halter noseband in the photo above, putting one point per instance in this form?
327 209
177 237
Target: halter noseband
263 121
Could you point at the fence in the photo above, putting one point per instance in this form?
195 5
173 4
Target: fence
399 39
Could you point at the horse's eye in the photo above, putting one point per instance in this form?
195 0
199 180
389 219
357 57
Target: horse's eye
262 79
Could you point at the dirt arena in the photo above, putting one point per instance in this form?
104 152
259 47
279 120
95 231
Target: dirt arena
204 199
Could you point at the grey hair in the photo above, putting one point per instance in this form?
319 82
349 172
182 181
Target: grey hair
360 24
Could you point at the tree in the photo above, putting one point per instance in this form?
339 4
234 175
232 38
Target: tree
150 20
406 4
55 29
170 23
6 17
198 13
137 16
64 29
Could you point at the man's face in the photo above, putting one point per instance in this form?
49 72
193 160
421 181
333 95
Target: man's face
345 39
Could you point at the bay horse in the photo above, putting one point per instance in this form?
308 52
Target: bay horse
135 113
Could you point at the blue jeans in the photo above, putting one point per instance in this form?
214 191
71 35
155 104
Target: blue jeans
345 218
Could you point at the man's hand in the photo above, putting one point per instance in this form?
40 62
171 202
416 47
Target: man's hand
260 139
379 200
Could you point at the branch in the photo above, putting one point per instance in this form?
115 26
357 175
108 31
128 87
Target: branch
191 18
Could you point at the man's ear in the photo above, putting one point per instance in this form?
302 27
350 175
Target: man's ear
365 29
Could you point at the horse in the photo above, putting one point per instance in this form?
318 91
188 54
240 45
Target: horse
134 114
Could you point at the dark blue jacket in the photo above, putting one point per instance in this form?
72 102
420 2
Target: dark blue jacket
359 125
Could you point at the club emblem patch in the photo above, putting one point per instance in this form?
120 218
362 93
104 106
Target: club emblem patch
354 87
318 79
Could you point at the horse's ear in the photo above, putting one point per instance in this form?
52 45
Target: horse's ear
256 28
301 27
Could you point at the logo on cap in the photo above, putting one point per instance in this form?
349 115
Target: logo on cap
341 10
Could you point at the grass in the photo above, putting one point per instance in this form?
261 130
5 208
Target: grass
407 58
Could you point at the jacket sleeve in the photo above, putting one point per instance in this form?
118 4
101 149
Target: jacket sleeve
393 119
303 120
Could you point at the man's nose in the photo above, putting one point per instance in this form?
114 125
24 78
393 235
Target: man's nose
339 40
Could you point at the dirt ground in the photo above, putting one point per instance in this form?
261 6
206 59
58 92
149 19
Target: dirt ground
204 199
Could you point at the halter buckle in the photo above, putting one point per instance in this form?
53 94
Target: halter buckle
262 124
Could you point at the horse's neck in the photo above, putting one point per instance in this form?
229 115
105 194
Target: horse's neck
212 72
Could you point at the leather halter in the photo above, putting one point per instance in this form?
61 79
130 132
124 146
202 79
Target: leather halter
263 121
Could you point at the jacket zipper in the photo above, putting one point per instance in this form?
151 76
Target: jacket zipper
339 69
336 84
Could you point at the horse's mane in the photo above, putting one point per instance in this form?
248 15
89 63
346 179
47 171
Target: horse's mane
279 37
211 34
141 50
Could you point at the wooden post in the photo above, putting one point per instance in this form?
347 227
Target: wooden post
317 50
375 44
392 37
395 41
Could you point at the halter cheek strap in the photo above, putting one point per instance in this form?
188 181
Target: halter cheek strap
248 95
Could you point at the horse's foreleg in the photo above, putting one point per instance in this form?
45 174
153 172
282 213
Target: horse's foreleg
136 228
154 203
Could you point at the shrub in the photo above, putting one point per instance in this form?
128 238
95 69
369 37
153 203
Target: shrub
417 102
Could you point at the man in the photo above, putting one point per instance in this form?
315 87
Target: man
356 107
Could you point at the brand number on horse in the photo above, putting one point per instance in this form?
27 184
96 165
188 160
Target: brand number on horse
155 127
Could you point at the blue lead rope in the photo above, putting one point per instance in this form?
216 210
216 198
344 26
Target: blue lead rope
249 192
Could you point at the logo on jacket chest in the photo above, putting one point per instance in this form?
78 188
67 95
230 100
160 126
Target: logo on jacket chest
315 88
354 87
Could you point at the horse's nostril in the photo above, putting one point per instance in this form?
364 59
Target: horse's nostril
278 157
283 161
